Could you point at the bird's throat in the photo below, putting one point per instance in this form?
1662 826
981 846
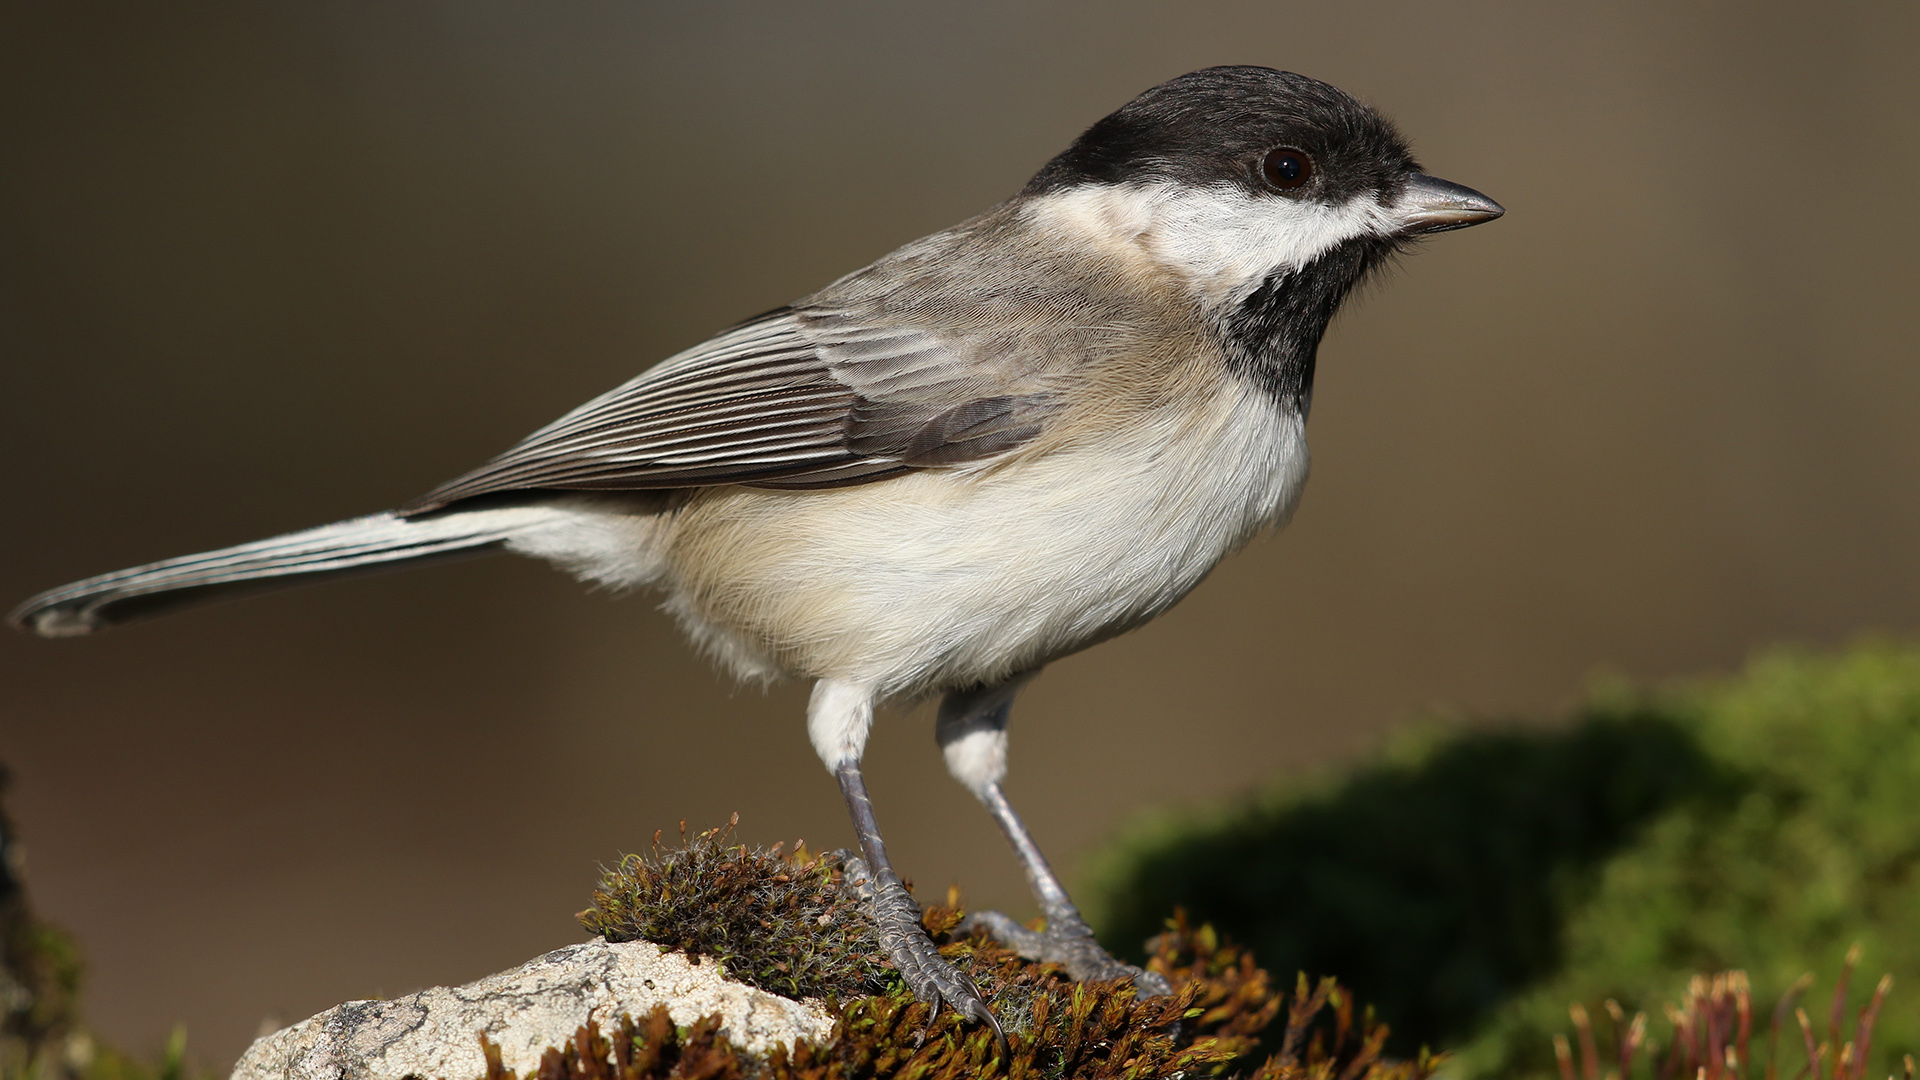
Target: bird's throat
1273 335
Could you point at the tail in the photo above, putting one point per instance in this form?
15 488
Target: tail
345 547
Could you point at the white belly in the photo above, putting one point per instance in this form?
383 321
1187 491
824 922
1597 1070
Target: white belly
942 579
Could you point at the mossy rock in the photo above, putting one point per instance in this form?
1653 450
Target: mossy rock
783 922
775 920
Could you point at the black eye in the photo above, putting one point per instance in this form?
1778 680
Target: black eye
1286 168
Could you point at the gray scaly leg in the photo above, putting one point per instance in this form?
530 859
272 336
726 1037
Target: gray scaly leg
972 731
931 978
837 721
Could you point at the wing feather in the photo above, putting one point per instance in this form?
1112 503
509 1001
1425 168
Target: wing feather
792 400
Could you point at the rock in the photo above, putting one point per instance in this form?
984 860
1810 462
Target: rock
436 1032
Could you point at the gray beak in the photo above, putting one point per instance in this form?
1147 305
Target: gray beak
1431 205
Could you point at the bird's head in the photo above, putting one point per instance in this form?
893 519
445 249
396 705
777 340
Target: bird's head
1268 195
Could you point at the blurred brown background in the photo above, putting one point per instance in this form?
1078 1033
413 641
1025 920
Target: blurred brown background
271 264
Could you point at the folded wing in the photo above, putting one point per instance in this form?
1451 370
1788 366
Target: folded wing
793 399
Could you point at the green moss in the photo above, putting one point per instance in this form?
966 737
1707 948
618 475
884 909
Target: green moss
776 921
1476 883
1816 848
1434 880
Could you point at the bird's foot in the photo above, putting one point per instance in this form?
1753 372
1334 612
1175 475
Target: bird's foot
1069 943
897 919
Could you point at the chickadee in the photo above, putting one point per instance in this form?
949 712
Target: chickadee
993 447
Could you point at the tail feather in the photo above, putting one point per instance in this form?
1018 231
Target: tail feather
344 547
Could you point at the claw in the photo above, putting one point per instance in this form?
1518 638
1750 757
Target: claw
931 978
1073 947
999 1037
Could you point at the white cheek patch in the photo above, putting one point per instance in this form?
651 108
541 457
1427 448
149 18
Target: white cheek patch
1222 241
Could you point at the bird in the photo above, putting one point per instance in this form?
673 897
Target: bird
993 447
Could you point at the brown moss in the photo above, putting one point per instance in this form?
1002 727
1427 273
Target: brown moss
774 920
1211 1026
1713 1037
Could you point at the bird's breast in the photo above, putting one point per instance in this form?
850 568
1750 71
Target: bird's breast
947 578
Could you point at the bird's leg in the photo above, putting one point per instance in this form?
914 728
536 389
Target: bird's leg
972 730
837 720
897 917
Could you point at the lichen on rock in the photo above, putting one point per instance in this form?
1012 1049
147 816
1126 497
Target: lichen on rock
520 1013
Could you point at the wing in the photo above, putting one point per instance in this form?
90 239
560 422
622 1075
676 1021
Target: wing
796 398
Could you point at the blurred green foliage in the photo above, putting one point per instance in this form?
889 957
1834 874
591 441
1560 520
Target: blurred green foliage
41 1034
1473 884
39 973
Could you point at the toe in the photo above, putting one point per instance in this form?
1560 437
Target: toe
931 978
1003 929
1151 984
1075 949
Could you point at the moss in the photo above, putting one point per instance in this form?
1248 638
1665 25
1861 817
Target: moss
1477 882
1436 880
1057 1029
1817 848
774 920
1717 1033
